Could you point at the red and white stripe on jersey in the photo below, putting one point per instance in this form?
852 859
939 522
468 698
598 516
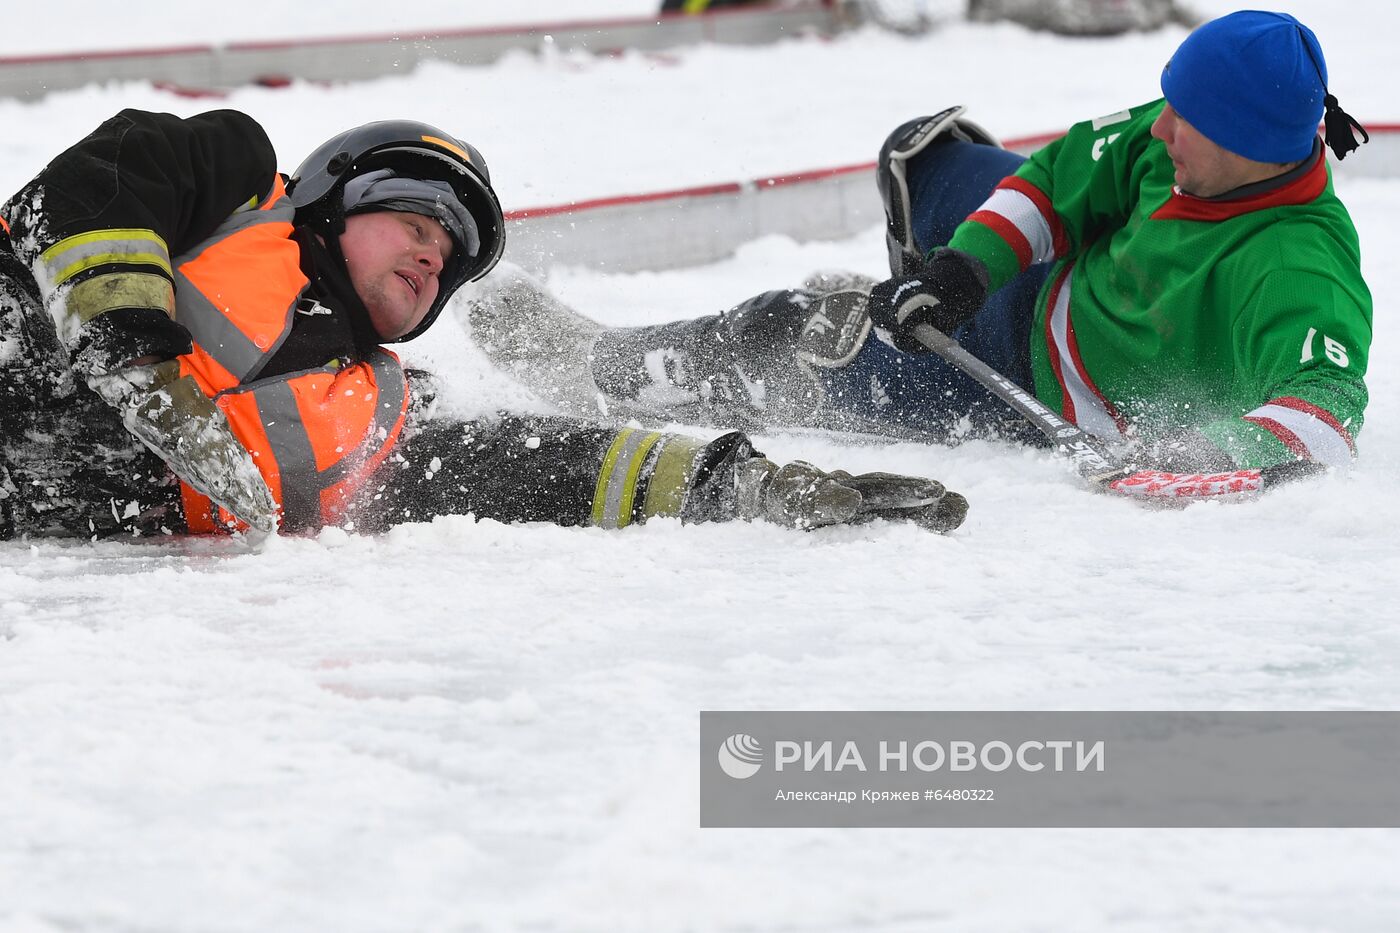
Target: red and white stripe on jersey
1021 214
1084 404
1311 432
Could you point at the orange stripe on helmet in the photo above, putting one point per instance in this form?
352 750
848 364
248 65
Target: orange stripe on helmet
448 145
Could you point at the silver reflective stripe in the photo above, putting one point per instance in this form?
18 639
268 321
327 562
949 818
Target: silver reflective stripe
210 327
393 390
286 433
389 377
75 254
242 219
617 482
302 481
218 336
621 469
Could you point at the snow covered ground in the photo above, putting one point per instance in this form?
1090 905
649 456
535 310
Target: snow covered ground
464 725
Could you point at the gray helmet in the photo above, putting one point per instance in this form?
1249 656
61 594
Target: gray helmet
413 150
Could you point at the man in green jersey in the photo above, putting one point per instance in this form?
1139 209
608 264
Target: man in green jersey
1178 276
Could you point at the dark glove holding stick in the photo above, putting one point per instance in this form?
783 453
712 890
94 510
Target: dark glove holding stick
948 292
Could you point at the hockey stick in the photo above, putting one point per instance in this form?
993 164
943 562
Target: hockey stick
1092 458
1096 461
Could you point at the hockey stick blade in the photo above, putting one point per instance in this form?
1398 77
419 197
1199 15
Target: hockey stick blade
1093 459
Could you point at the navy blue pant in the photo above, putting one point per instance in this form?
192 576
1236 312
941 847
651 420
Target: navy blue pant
947 182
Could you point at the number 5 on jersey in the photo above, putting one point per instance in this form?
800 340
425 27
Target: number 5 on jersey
1334 350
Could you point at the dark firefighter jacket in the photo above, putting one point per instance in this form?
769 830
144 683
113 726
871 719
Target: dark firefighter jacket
163 237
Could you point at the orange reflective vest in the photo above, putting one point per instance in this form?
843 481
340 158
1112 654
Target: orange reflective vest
315 435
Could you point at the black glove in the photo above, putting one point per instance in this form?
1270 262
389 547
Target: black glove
947 293
798 495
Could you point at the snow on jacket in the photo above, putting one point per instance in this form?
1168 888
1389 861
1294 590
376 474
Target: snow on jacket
156 234
163 237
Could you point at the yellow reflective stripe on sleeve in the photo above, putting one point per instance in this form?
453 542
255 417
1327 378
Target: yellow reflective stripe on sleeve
671 476
102 293
600 489
634 471
616 490
70 256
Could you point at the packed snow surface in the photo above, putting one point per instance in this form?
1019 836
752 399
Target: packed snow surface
463 725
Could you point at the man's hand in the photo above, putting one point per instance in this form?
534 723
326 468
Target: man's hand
170 415
948 292
798 495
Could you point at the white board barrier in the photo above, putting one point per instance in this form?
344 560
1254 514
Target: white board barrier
353 58
695 226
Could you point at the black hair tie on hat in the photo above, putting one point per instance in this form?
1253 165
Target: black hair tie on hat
1337 128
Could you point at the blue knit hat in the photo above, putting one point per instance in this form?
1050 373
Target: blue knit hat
1251 82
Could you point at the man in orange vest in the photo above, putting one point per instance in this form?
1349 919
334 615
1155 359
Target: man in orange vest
190 342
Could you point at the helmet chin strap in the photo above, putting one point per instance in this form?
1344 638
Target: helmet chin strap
318 229
332 280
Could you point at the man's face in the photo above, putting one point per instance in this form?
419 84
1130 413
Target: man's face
1204 169
394 259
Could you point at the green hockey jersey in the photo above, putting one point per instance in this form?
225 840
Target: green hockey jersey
1243 317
